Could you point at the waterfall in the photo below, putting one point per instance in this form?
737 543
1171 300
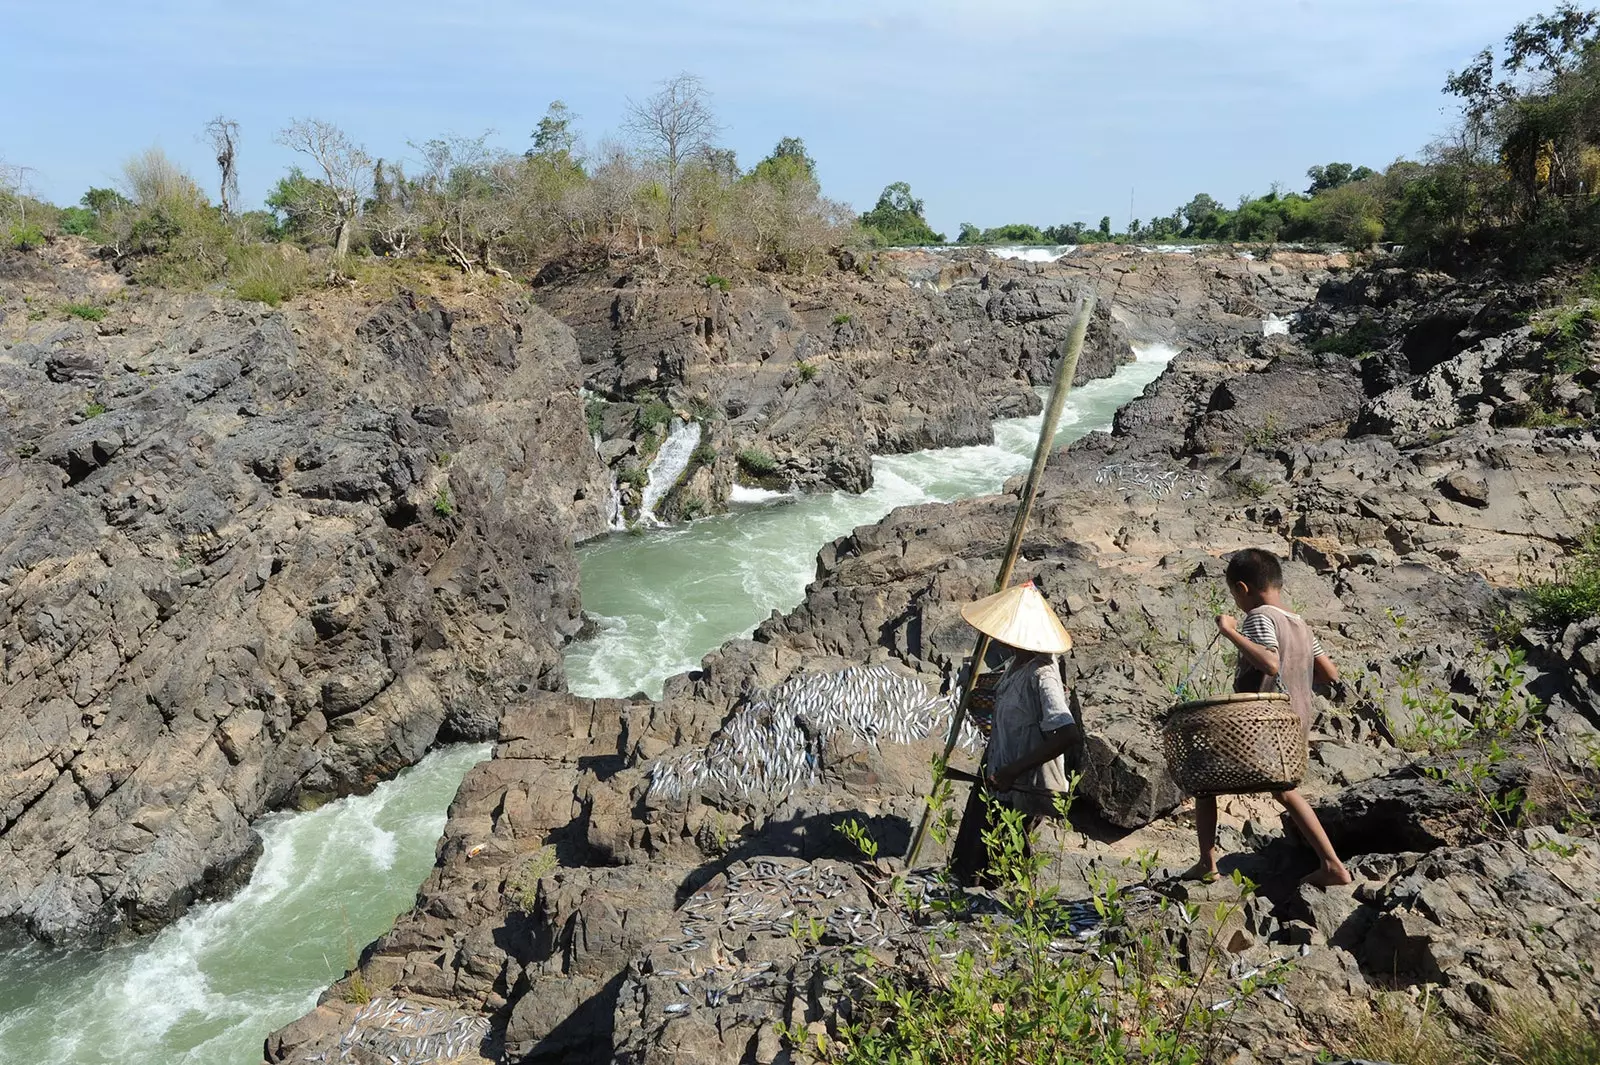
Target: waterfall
1273 326
668 465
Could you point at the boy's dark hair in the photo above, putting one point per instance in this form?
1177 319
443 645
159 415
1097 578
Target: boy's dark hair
1256 568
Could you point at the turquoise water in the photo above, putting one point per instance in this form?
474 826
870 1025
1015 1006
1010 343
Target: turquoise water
209 988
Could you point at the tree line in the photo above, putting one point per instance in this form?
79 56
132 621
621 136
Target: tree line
1516 178
667 183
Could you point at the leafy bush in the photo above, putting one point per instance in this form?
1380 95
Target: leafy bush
1013 993
717 281
1575 593
807 370
93 409
841 319
636 476
24 236
78 221
87 311
1564 334
268 275
442 504
704 455
656 414
1361 338
757 461
594 412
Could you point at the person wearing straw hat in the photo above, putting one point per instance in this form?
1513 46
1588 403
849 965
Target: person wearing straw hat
1024 765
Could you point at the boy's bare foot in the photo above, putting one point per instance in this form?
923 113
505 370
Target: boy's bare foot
1199 871
1328 876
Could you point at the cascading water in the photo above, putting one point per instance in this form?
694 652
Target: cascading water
661 601
668 465
208 989
1033 253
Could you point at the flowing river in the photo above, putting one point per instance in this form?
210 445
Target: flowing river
208 989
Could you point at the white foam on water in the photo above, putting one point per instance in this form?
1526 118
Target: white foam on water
1033 253
207 989
668 465
741 493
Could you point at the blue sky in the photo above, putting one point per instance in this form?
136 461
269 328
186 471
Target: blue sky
994 110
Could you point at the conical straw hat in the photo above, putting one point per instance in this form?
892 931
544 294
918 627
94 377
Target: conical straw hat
1020 618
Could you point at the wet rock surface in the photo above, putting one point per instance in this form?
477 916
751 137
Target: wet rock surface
254 559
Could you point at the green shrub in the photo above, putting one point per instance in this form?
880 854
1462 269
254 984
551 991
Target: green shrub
1575 593
87 311
1009 993
704 455
703 410
1564 333
442 504
1361 338
594 412
717 281
78 221
656 414
636 476
522 887
24 236
93 409
841 319
807 370
267 274
757 461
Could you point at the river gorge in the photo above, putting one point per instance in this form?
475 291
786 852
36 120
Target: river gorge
209 988
333 549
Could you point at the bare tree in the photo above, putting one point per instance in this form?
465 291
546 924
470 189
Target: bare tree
346 169
14 189
466 198
224 136
677 125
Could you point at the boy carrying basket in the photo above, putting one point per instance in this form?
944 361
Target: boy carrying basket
1277 652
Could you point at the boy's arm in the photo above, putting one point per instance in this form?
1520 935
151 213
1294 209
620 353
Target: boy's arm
1261 658
1323 671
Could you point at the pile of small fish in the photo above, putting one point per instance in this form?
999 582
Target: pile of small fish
773 742
1154 480
402 1033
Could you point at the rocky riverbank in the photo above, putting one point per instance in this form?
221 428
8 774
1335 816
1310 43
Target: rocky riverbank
255 559
623 880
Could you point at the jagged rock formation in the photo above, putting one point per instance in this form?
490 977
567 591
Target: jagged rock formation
916 350
251 559
594 915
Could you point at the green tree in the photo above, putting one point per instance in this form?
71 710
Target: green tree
897 220
554 133
1199 213
1105 227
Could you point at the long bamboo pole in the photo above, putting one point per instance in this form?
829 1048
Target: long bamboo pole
1059 388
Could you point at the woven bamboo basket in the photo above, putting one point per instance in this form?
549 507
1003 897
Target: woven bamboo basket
1235 744
980 706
